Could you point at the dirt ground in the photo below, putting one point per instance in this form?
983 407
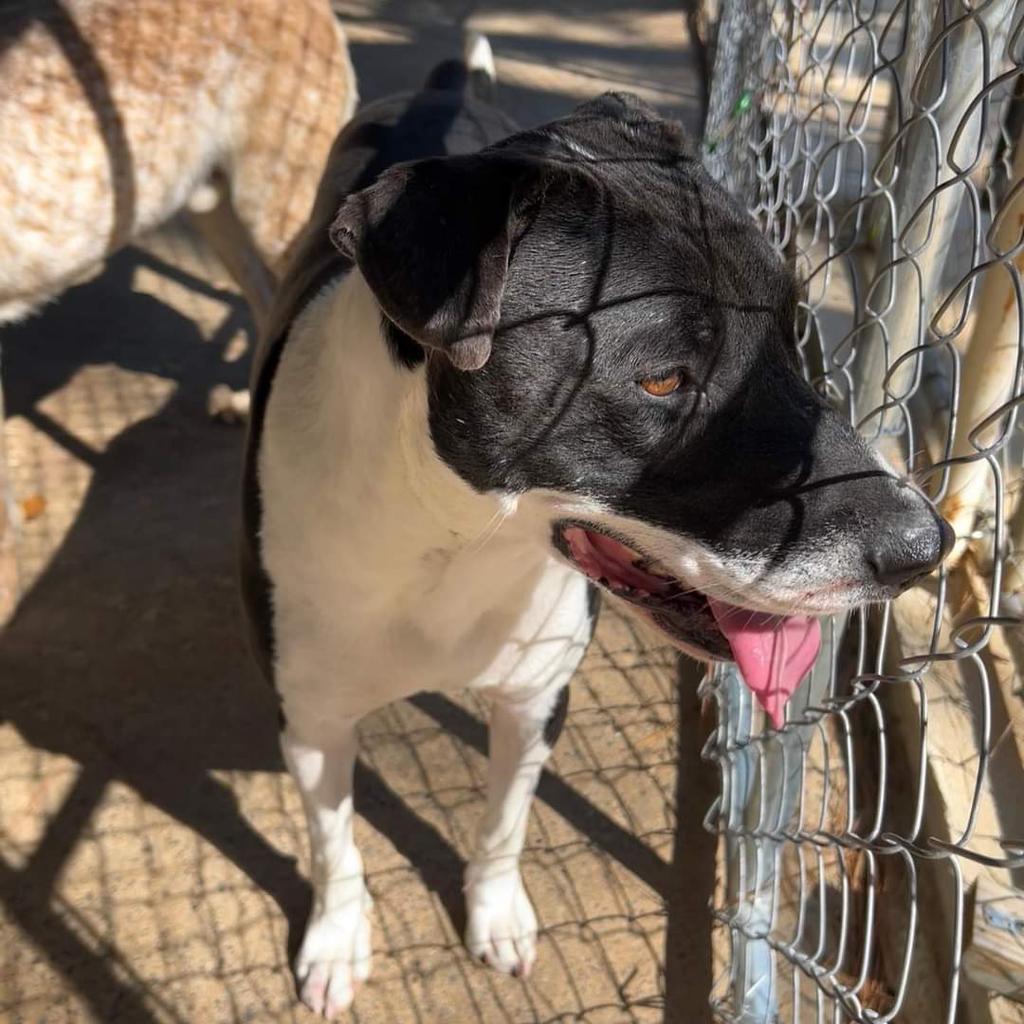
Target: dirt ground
152 854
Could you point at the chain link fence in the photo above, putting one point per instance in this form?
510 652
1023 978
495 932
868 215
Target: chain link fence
877 144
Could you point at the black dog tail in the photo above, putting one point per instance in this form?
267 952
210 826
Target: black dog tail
474 74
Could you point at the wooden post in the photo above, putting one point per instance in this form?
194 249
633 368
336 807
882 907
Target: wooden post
994 954
988 369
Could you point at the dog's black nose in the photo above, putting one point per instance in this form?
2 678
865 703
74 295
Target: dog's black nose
909 548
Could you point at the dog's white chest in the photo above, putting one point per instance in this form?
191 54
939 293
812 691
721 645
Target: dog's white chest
389 574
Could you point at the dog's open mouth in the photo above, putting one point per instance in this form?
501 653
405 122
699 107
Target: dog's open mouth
773 652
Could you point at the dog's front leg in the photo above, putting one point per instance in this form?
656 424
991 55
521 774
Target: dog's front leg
502 927
334 958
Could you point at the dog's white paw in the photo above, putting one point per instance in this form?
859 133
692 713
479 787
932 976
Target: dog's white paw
335 958
226 405
502 928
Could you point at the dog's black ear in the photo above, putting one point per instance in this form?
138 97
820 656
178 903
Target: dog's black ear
624 106
432 240
620 125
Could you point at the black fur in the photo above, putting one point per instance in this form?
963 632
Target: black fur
405 351
445 295
578 258
556 717
563 265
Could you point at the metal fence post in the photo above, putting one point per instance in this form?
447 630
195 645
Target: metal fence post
733 77
762 781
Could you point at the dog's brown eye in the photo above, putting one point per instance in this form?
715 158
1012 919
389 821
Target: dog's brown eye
662 386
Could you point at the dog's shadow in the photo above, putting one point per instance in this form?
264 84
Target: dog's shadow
127 654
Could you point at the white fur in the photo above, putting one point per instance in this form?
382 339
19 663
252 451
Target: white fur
478 55
390 576
815 581
334 958
383 560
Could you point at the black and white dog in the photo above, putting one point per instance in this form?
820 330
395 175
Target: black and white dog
505 370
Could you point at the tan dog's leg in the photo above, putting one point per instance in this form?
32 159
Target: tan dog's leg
278 155
8 534
213 214
215 217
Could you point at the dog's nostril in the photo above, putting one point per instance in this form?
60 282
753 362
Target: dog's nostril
901 554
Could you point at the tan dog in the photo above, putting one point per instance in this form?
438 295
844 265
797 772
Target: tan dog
114 116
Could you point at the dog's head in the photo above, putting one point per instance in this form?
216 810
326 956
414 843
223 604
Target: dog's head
617 337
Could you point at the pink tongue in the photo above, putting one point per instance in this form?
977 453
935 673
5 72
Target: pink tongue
773 654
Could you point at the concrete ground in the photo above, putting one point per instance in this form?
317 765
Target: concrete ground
152 854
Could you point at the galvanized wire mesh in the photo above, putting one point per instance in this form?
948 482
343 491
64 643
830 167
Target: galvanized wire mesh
878 146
